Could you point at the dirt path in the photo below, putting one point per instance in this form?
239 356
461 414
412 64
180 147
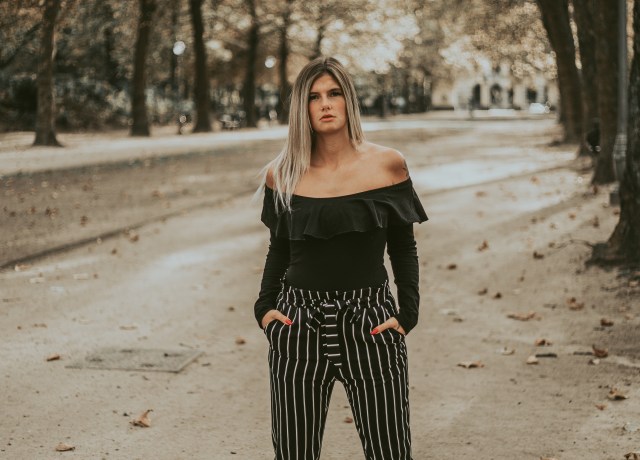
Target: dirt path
190 282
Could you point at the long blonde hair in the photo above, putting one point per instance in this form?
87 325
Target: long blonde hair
294 159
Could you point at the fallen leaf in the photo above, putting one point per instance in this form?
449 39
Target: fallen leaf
507 351
348 420
616 395
481 193
452 266
594 361
537 255
632 456
573 304
484 246
21 267
240 341
62 447
523 316
572 215
142 420
543 342
606 322
595 222
471 364
53 357
133 236
483 291
497 295
599 352
601 406
532 360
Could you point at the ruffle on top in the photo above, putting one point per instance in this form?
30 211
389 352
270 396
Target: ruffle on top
382 207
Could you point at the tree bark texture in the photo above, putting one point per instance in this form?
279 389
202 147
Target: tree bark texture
201 84
249 85
555 18
583 16
285 88
140 120
624 243
45 116
606 26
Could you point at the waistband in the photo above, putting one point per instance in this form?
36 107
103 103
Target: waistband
308 298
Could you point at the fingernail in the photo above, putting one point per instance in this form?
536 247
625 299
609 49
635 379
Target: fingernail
375 331
288 322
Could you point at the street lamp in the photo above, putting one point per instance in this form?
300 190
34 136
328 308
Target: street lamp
178 49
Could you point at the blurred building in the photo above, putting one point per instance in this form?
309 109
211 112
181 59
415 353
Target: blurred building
493 87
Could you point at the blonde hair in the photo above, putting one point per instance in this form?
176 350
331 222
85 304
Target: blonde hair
294 159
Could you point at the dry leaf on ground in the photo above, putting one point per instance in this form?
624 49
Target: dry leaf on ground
523 316
62 447
483 291
574 304
616 395
632 456
240 341
53 357
507 351
542 342
471 364
601 406
600 352
484 246
142 420
532 360
497 295
348 420
594 361
606 322
452 266
537 255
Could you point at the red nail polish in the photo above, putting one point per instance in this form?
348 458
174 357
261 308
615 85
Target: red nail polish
288 322
375 331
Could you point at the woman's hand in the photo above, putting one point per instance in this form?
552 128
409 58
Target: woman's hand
391 323
273 315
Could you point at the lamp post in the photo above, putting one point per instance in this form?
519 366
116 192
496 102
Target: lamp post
620 146
178 49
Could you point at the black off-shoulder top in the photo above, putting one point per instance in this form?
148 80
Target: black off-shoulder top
338 243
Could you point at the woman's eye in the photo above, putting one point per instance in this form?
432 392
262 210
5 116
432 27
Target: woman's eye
313 97
336 93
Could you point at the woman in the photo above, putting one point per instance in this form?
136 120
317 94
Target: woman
332 202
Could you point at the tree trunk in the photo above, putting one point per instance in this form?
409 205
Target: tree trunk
201 84
140 121
555 17
285 89
606 26
249 86
45 117
317 49
624 243
583 16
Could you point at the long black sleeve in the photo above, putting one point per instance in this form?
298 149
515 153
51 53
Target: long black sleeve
401 247
274 267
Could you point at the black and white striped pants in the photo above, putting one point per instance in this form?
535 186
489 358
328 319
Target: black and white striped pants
330 340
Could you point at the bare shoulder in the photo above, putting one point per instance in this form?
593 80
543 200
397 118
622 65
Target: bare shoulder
389 160
270 181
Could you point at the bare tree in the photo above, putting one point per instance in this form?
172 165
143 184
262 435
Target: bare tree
583 11
555 17
606 26
249 84
45 118
283 54
624 243
140 121
201 86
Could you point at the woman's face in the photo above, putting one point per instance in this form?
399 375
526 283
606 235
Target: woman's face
327 107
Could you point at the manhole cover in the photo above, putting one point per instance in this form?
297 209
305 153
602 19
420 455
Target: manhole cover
136 359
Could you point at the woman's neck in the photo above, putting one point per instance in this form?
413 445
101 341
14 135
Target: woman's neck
332 149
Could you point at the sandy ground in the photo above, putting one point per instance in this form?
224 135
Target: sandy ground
495 194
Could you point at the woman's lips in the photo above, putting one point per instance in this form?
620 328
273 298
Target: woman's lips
327 117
